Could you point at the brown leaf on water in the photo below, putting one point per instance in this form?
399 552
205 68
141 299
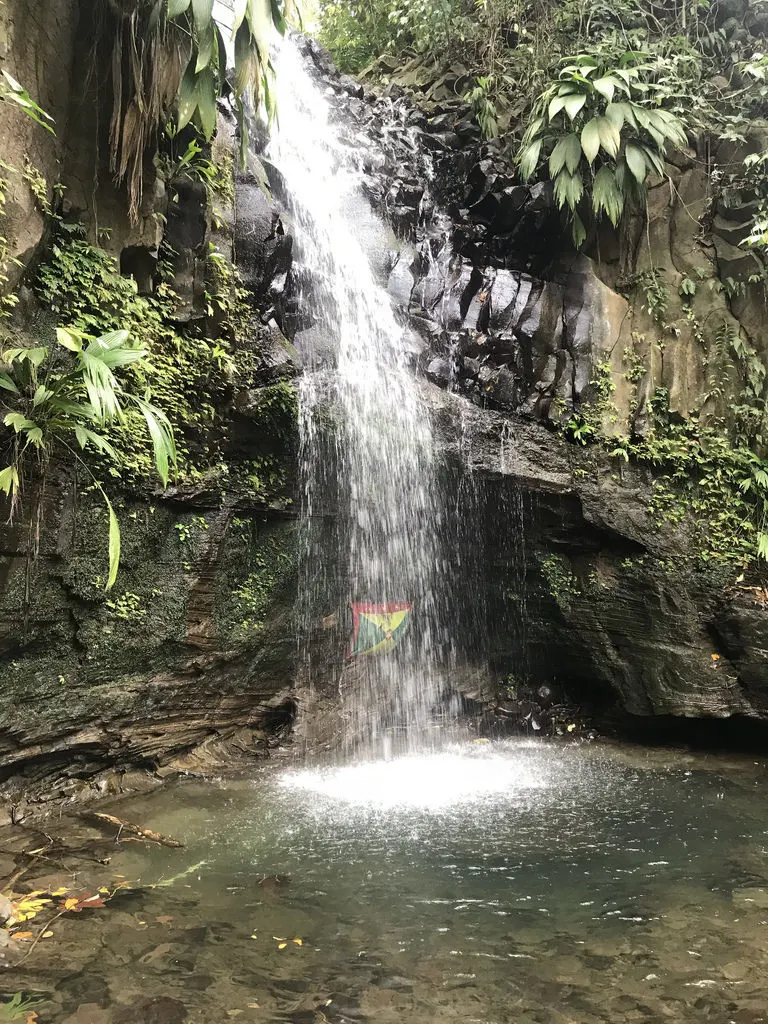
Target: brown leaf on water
78 903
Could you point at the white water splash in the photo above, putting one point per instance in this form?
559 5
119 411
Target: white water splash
431 782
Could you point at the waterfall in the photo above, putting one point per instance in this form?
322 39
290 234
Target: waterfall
367 456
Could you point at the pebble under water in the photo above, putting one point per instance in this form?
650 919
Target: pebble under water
508 882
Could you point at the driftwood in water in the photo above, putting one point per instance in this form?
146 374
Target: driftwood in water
140 833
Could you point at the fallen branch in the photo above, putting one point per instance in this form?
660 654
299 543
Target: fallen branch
142 833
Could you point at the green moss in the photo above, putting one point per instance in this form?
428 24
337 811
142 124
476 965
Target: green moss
260 562
191 375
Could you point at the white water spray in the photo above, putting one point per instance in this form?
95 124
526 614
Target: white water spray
366 443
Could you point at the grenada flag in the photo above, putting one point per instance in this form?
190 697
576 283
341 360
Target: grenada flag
377 627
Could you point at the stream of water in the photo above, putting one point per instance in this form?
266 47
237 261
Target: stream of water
366 445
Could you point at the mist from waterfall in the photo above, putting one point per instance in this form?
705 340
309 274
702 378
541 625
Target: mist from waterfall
367 459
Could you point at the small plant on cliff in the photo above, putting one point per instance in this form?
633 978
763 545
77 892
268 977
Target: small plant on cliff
597 133
62 399
13 92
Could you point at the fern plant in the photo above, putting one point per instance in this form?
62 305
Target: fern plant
64 400
599 135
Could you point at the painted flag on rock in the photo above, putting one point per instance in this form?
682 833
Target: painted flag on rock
377 628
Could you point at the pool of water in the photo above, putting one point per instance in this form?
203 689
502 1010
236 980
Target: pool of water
507 882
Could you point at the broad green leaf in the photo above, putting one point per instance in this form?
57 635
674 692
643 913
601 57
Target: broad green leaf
9 480
41 395
15 86
187 99
590 139
242 124
161 434
114 543
206 46
578 231
259 15
610 136
654 158
568 189
617 113
567 153
247 63
529 160
177 7
636 162
7 383
555 106
202 11
91 437
572 152
762 546
69 338
18 421
606 197
34 436
81 434
573 104
605 86
205 91
113 339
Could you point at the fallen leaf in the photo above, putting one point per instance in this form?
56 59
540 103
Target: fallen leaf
570 728
297 941
23 935
78 903
47 935
60 892
282 945
233 1013
164 919
715 657
254 1006
279 938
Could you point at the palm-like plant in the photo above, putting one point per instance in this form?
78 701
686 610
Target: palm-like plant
66 400
171 53
600 132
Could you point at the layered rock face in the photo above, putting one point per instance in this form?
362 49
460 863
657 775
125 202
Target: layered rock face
192 649
584 584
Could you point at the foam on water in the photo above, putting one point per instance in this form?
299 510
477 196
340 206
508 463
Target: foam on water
429 781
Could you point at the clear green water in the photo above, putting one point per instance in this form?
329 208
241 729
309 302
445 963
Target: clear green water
492 883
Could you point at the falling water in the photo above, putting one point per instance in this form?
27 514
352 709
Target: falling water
366 443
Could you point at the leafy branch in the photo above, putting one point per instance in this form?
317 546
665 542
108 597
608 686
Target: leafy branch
62 399
598 134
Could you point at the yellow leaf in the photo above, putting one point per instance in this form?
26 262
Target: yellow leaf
47 935
715 657
279 938
72 901
254 936
282 945
570 728
297 941
59 892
